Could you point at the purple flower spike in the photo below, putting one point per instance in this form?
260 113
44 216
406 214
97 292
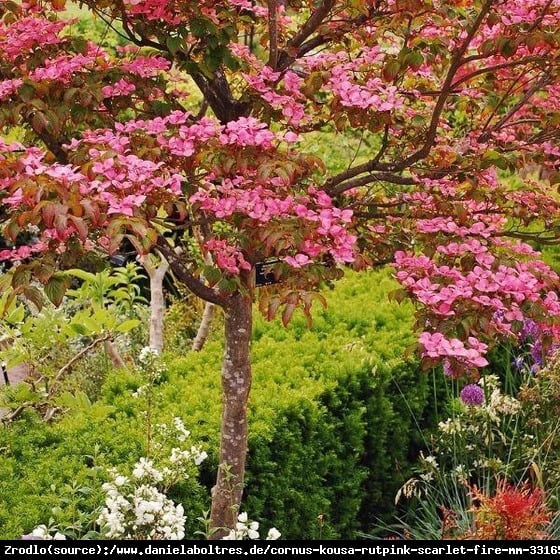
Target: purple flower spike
472 395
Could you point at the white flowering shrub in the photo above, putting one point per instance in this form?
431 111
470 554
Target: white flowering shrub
249 530
137 509
44 533
137 506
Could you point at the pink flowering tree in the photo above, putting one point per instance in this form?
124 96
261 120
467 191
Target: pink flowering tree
444 101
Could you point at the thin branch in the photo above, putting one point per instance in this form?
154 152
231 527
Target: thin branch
422 152
366 180
540 19
311 25
545 80
456 63
488 69
80 355
516 84
184 274
15 413
314 21
273 33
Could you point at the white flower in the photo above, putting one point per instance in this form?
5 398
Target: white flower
242 517
182 432
199 456
431 462
147 355
273 534
427 477
41 531
145 469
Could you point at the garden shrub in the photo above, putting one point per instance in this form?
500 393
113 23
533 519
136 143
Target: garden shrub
333 411
332 423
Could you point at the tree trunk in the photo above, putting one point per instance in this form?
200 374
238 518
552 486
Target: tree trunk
157 306
236 383
204 327
157 301
114 355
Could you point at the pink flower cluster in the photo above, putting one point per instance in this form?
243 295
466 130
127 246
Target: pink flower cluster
435 345
374 94
146 66
126 181
290 102
120 88
22 36
20 253
449 225
247 131
63 67
227 258
163 10
239 196
251 7
8 87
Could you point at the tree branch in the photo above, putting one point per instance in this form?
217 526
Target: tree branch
273 33
545 80
488 69
366 180
79 355
217 93
307 29
456 62
311 25
184 274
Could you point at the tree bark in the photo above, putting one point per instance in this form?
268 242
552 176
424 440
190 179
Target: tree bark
204 327
157 301
114 355
236 384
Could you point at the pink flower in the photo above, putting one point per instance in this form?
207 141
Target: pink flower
298 260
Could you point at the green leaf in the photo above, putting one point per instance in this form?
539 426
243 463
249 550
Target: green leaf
26 92
99 412
16 315
390 70
56 287
21 277
12 230
173 44
80 329
212 274
34 295
82 274
415 59
127 326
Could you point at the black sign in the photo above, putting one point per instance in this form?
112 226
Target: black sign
264 276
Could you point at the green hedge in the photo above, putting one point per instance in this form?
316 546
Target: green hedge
332 423
333 411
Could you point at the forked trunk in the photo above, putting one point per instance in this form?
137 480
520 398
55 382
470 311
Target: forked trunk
204 327
156 273
236 384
